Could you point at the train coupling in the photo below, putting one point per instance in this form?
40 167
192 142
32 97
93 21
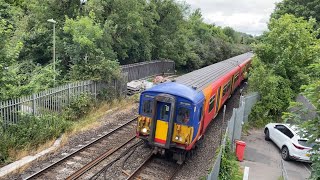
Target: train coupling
158 150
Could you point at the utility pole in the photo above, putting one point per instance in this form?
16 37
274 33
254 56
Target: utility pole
54 49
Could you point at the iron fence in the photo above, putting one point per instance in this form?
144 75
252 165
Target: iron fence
234 129
54 100
150 68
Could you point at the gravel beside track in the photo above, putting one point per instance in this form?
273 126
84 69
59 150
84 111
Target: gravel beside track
73 162
199 165
195 167
155 168
111 120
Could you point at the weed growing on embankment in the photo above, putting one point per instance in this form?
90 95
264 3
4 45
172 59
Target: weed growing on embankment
33 134
229 167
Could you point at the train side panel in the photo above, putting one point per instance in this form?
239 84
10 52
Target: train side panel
219 91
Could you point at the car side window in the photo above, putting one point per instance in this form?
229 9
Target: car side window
284 130
288 133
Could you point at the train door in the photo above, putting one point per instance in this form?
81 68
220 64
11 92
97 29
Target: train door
218 100
163 115
232 85
162 122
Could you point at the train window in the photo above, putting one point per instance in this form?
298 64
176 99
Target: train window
164 112
236 78
147 107
183 115
226 88
211 103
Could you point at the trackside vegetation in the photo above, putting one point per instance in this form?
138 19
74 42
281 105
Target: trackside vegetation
287 63
229 167
95 37
31 132
92 40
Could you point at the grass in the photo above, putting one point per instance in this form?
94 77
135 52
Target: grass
91 120
245 128
229 167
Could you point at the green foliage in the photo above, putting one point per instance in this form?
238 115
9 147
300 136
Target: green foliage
90 54
229 167
280 66
24 79
79 107
93 39
305 9
29 132
107 94
289 47
312 92
311 126
288 61
274 91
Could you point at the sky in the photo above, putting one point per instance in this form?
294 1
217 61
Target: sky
248 16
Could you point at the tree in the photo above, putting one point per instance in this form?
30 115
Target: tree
305 9
274 90
234 37
279 68
288 61
92 39
89 49
311 125
289 47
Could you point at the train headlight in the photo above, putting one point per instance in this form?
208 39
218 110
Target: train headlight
178 138
144 130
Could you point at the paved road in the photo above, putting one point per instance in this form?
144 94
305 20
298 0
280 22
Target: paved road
265 162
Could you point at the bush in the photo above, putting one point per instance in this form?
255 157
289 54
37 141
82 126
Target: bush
30 132
79 106
107 94
229 167
275 93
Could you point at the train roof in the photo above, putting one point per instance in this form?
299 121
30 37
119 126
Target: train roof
204 76
177 90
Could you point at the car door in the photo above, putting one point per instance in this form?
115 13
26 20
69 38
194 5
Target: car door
278 136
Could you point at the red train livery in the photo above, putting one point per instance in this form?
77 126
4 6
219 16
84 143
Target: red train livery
173 116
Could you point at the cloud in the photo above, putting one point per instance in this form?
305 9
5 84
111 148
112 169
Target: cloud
249 16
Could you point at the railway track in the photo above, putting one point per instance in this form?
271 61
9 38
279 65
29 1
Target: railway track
98 160
83 159
155 168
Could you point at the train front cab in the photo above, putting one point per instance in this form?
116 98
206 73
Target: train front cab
169 122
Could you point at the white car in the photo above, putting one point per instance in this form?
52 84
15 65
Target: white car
287 138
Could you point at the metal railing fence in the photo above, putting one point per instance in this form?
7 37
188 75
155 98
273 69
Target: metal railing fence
150 68
54 100
234 129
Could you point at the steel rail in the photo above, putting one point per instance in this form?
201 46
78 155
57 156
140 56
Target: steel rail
140 167
173 175
96 161
78 151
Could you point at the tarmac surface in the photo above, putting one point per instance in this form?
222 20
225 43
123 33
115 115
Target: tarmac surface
265 163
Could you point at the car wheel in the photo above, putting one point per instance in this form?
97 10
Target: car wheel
285 153
267 136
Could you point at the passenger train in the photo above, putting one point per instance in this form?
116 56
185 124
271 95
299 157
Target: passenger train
174 116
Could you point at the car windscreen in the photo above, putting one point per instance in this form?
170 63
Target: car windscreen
305 143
